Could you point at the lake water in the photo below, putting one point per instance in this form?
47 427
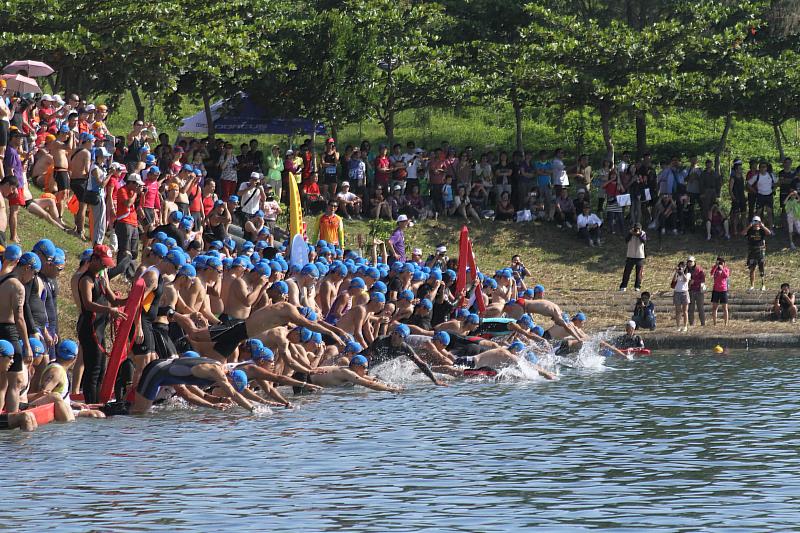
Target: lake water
673 441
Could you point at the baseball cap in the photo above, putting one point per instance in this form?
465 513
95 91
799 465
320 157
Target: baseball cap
345 184
134 178
150 158
63 129
154 170
756 219
631 324
330 140
441 249
101 150
233 199
105 254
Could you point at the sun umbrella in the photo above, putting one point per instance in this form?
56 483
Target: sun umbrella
21 84
34 69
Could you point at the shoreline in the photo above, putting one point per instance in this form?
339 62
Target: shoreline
662 341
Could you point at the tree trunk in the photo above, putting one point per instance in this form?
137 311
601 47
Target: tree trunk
209 115
517 120
137 102
723 141
388 126
605 123
641 133
776 128
335 131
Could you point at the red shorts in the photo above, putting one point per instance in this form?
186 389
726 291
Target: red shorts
17 199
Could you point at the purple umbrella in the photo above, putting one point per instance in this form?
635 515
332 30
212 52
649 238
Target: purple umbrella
33 69
21 84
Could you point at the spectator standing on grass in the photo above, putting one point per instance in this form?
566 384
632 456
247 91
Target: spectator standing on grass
697 290
756 234
680 296
786 182
737 189
692 181
559 172
719 295
710 184
792 207
544 181
437 169
613 187
762 183
635 255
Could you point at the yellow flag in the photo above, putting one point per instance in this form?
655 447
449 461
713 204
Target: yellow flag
295 209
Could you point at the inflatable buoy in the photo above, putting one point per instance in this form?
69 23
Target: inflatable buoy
637 351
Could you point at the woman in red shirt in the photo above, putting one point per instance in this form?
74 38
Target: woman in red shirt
383 167
209 196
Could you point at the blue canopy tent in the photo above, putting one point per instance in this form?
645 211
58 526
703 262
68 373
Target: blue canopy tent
241 115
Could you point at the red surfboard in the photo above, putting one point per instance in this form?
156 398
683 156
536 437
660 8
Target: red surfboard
122 341
44 413
637 351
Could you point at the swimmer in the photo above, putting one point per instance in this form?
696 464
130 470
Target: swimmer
393 346
495 358
355 374
200 371
630 339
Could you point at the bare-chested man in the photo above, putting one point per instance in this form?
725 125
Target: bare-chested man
342 304
494 359
302 287
329 287
13 327
61 149
354 321
354 374
79 165
244 291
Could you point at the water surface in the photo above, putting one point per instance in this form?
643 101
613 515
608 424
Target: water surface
674 441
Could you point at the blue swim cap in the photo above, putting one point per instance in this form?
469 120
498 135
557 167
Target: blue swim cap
261 245
321 243
490 283
352 347
538 330
170 243
6 349
409 267
60 259
357 283
229 243
276 266
532 358
310 270
380 286
304 333
426 303
405 295
359 360
190 353
526 321
176 257
322 268
187 223
316 337
37 347
263 353
218 203
187 168
66 349
215 245
14 252
377 297
214 262
281 287
472 318
516 346
239 380
338 269
227 263
154 169
373 273
253 344
436 274
255 258
461 313
538 289
187 270
45 248
418 276
175 216
402 330
263 269
528 293
579 317
443 337
240 262
32 260
397 266
308 313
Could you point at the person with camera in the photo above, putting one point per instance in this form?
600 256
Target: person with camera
439 259
636 240
644 312
756 234
697 290
719 294
252 196
783 307
680 295
520 271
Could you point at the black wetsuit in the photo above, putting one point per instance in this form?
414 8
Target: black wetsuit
382 350
420 321
35 303
148 316
91 329
164 372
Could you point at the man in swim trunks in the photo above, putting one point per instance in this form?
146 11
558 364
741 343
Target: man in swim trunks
60 150
355 373
260 368
221 341
393 346
79 165
198 371
432 349
494 359
13 326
